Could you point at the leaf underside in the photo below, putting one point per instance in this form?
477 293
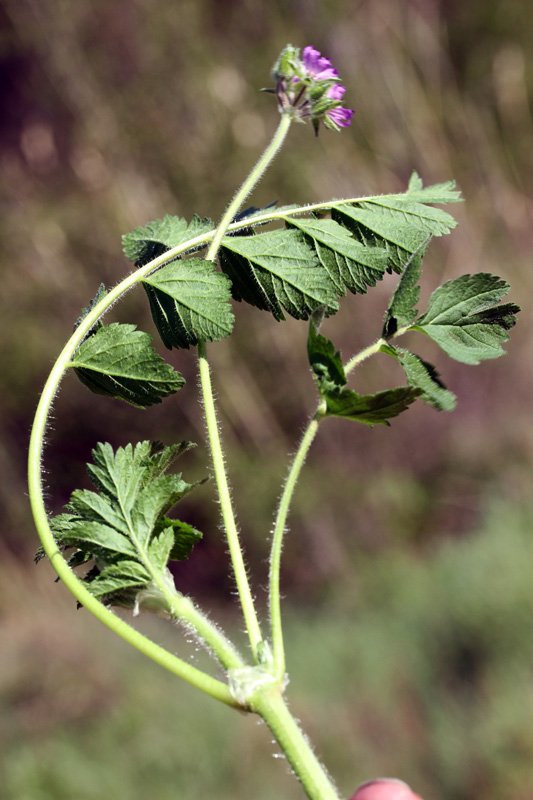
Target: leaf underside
190 302
119 361
465 320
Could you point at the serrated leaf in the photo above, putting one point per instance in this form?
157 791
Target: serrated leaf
324 359
119 361
100 294
442 193
402 309
118 577
278 272
161 548
349 263
123 527
464 317
156 237
370 409
400 222
185 537
423 376
190 302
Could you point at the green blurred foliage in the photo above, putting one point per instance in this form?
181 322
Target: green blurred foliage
116 113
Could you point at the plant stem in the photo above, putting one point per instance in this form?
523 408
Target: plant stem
312 775
249 183
278 650
228 517
358 358
217 454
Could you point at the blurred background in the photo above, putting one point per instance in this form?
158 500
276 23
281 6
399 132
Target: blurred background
410 556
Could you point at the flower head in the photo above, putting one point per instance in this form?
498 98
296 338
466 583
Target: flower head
307 87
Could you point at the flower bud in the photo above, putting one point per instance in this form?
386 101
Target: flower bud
385 789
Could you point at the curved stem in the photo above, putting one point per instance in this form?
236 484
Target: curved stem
278 650
312 775
251 181
192 675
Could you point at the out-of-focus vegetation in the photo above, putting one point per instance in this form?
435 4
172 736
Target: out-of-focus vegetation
115 113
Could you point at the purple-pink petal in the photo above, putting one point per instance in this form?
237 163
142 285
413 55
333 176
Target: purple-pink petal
340 116
336 92
317 65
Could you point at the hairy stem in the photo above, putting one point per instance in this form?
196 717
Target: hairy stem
278 649
248 185
217 453
371 350
312 775
228 517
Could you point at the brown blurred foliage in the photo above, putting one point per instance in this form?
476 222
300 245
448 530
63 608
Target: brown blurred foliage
116 113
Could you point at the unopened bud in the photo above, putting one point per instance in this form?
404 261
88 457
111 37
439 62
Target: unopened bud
385 789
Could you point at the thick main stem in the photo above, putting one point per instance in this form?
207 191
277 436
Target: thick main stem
217 454
296 747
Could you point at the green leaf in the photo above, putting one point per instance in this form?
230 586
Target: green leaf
442 193
156 237
123 528
464 317
277 271
119 361
117 577
423 376
400 222
370 409
402 307
190 302
349 263
100 294
324 359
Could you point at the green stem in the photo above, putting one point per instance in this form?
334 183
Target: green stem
230 525
217 454
295 745
251 181
278 650
192 675
358 358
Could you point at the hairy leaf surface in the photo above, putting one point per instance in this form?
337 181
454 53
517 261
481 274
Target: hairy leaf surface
402 307
119 361
123 527
156 237
190 302
464 317
349 263
279 272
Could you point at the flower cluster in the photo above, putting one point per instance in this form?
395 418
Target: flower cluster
308 87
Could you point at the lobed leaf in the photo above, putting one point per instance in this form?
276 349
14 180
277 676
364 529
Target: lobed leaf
465 320
190 302
402 223
156 237
277 271
119 361
123 528
349 263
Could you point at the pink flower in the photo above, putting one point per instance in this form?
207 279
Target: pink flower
385 789
317 66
